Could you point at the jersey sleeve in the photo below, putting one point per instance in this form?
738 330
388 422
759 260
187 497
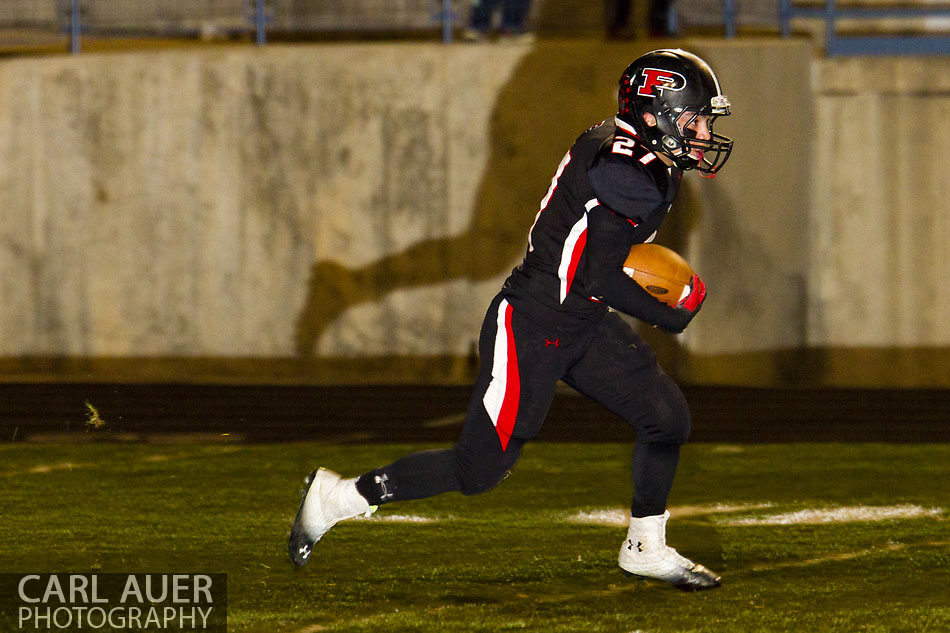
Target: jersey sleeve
623 186
609 237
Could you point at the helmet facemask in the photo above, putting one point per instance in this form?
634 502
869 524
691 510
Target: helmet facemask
678 137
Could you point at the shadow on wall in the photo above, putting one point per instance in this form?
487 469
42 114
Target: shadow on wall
535 120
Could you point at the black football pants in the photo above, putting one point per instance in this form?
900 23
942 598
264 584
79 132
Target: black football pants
521 362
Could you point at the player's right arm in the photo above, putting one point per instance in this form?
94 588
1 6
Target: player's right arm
627 198
609 237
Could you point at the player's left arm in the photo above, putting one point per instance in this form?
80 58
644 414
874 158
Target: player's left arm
609 237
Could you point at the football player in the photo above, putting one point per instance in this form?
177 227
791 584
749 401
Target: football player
551 321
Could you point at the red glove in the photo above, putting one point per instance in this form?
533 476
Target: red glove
686 309
697 294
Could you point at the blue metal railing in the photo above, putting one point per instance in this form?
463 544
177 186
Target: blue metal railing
75 27
260 15
446 17
889 44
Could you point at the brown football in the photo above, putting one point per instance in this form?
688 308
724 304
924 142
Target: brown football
661 271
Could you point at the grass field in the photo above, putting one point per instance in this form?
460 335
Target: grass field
808 537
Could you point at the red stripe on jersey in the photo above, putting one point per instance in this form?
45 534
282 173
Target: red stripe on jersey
570 254
624 217
575 259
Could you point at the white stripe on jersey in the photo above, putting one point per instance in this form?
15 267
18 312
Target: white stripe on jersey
495 394
626 127
568 256
547 196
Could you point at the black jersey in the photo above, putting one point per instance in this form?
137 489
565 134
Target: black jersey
608 193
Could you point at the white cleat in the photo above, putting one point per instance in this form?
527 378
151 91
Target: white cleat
646 554
327 500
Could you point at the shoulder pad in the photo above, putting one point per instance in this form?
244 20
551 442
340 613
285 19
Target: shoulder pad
627 178
622 147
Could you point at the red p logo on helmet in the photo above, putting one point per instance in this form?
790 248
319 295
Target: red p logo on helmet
661 80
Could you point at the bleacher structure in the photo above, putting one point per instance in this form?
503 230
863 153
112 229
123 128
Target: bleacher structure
840 27
177 16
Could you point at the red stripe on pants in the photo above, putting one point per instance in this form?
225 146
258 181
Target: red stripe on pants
509 406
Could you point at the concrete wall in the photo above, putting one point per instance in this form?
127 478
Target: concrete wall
879 292
880 215
173 204
345 212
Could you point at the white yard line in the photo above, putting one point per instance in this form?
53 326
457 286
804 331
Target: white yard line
846 514
48 468
846 556
42 469
403 518
678 512
312 628
620 517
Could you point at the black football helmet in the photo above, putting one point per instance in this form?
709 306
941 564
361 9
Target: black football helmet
669 83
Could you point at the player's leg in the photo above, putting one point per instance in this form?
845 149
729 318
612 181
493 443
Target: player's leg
476 463
662 427
621 372
510 399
